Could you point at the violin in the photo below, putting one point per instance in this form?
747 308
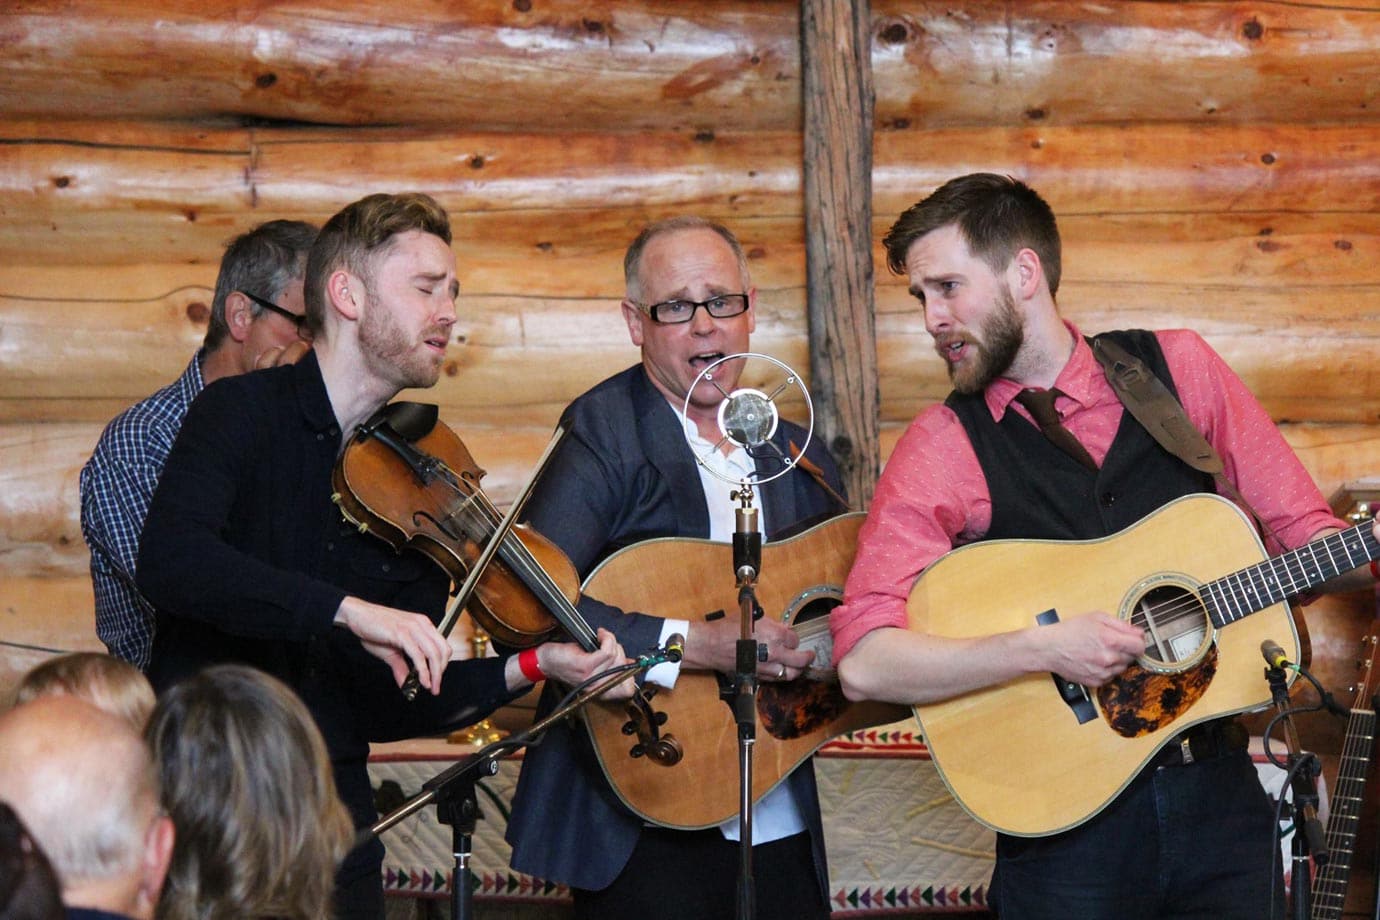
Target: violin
407 478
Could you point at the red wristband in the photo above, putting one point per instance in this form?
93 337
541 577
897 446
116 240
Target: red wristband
530 667
1375 569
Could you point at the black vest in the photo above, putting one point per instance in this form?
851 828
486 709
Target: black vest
1040 492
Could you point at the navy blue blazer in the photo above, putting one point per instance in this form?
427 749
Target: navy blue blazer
624 474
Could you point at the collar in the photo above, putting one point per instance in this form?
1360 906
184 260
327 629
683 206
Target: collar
312 398
736 462
192 382
1078 381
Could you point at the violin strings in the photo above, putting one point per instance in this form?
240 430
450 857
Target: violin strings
514 552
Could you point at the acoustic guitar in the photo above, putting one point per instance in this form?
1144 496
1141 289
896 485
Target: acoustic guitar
1329 888
801 580
1038 754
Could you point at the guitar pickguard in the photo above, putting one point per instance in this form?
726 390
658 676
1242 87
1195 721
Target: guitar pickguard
795 709
672 576
1139 701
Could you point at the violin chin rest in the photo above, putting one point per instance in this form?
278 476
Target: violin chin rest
411 420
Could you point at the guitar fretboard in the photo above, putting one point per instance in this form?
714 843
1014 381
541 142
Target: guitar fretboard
1329 890
1267 583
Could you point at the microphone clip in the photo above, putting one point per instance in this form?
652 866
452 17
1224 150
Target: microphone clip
673 651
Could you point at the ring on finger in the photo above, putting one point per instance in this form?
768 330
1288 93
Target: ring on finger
781 672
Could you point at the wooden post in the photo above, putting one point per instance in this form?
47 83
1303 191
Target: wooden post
836 72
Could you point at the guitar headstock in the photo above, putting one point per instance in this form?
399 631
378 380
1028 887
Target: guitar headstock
1368 665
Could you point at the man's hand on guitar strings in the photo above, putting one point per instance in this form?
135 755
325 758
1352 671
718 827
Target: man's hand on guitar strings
1089 649
711 645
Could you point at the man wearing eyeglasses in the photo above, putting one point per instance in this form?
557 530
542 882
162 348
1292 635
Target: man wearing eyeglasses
625 472
257 319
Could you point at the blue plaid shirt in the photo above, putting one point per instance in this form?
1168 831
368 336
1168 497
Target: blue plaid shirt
117 485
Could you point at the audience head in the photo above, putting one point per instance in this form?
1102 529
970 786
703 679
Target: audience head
260 280
28 886
84 784
248 783
102 680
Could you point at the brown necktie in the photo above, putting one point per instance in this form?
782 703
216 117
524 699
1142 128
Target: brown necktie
1040 404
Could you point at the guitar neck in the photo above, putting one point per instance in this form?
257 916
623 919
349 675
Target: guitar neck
1348 796
1267 583
1329 889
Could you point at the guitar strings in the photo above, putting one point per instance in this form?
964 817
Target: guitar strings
1245 587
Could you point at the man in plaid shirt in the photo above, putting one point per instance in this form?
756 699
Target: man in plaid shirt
256 321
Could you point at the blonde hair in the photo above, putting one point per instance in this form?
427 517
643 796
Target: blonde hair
248 784
106 682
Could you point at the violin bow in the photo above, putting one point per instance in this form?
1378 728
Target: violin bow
462 596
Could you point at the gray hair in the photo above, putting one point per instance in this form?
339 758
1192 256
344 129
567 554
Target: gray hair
632 260
262 262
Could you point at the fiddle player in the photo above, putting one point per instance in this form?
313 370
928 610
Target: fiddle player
256 320
247 559
626 472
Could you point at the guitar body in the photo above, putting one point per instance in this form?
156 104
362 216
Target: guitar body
801 578
1016 755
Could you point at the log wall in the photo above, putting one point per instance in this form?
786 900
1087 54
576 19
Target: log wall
1213 164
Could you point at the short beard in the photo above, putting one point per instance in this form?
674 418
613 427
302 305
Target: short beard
390 355
1001 336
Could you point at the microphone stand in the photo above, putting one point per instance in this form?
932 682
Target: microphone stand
1303 783
747 562
453 790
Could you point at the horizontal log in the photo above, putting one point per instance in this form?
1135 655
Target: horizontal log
67 200
658 65
40 615
1142 168
1009 63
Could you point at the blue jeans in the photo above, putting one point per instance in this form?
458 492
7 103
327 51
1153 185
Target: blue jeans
1194 841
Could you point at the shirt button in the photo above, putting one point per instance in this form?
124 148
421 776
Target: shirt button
330 547
320 436
1108 499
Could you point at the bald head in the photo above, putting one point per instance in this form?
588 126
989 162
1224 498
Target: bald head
84 783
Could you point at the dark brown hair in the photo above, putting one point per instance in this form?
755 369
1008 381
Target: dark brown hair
997 215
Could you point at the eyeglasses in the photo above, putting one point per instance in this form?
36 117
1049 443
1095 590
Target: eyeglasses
297 320
720 306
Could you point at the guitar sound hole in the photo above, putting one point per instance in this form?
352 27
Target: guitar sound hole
1175 624
815 608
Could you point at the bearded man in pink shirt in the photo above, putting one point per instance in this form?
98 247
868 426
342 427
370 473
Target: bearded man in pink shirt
1188 831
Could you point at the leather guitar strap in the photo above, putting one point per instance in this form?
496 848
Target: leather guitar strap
1147 398
817 474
